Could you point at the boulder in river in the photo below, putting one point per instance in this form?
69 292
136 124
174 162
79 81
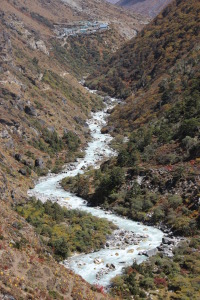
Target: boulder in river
110 266
168 241
151 252
98 261
130 251
106 99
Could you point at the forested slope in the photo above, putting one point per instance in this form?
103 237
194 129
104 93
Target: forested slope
170 37
155 177
43 112
162 116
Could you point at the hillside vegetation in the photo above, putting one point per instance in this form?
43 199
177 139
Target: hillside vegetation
155 177
66 231
138 64
162 122
28 270
43 113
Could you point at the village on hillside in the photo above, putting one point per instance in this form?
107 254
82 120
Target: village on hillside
80 28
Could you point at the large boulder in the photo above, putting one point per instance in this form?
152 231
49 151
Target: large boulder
18 157
151 252
23 172
105 130
168 241
51 129
39 163
30 110
4 134
42 47
19 104
107 99
6 121
110 266
80 121
98 261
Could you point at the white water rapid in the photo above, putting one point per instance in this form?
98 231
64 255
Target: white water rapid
49 188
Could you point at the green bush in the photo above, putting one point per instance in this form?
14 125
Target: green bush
72 140
175 201
65 230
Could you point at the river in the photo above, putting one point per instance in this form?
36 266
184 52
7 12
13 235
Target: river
49 188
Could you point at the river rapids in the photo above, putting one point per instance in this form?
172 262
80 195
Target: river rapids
101 266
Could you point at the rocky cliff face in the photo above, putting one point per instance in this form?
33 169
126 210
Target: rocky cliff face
6 48
145 7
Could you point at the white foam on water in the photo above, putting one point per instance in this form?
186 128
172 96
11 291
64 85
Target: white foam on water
49 188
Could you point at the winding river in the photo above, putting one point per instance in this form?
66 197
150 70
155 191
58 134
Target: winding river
49 188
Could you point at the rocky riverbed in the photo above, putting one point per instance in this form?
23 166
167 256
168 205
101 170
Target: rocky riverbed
121 238
125 244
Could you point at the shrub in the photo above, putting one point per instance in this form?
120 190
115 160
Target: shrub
147 283
66 230
72 140
60 247
175 201
189 128
158 214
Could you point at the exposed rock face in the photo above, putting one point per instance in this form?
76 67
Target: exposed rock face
23 172
4 134
145 7
5 48
151 252
39 163
42 47
20 105
38 45
80 121
30 110
18 157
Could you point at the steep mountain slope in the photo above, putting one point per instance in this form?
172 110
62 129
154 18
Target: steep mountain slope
113 1
155 178
28 271
146 58
40 100
145 7
160 71
125 22
43 110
